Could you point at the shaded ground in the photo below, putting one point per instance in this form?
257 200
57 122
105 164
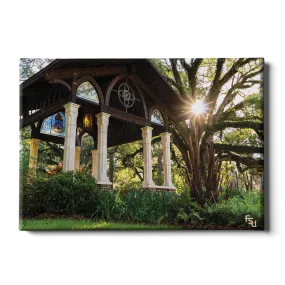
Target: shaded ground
68 224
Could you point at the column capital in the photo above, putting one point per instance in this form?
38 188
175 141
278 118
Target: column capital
102 117
146 129
102 114
165 135
71 104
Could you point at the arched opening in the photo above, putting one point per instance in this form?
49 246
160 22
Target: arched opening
54 125
87 145
157 118
87 92
157 162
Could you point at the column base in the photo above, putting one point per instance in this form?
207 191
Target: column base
104 182
106 185
169 186
160 188
148 185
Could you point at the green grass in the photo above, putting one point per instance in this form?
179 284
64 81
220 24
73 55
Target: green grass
85 225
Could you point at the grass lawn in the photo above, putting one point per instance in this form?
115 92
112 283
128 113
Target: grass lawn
85 225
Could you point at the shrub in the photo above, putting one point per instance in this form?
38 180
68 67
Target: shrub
71 193
65 193
234 210
30 199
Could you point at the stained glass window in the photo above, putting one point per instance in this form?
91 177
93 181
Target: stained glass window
87 92
54 125
157 118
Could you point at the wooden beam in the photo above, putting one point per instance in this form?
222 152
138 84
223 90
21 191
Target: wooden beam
146 89
121 115
43 113
53 139
80 72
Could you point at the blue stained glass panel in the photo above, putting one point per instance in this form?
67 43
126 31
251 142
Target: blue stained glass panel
54 125
157 118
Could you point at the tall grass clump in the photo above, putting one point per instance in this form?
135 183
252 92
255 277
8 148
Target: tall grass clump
135 206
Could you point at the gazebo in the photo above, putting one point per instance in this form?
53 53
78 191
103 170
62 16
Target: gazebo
115 101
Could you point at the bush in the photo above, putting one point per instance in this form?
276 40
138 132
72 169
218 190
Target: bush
234 210
71 193
65 193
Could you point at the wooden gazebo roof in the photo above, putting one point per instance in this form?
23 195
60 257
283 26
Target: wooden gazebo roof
153 82
35 92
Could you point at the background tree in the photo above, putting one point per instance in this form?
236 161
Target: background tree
226 89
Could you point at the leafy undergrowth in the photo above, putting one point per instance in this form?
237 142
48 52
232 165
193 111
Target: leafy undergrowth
75 196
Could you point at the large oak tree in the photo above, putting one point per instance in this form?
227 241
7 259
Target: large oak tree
231 91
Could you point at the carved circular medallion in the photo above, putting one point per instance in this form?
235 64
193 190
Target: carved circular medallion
126 95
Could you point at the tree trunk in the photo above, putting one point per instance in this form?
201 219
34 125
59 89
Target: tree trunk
194 164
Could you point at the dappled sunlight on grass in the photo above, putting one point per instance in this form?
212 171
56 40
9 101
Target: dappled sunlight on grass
85 225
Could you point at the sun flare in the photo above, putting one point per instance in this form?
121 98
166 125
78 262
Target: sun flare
199 107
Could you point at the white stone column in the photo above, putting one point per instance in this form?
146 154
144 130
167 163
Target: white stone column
94 165
165 139
147 159
101 160
77 158
34 148
71 113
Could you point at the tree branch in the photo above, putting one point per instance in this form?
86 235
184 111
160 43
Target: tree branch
140 150
237 148
193 76
243 124
185 65
234 69
219 68
177 77
248 161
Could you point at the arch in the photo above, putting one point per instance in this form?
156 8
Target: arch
62 82
89 133
95 85
114 81
87 145
156 116
54 125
